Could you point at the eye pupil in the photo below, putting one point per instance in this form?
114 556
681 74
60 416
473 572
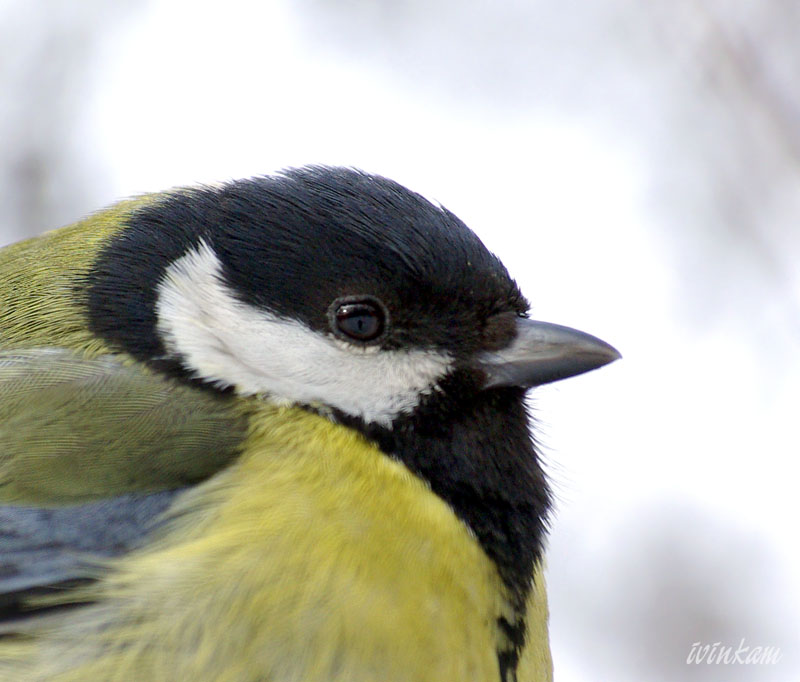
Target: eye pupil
362 321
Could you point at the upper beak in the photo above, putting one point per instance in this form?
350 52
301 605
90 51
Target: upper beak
543 352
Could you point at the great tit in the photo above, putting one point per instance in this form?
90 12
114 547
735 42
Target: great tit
272 430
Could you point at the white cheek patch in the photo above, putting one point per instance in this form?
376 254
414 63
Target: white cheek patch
231 343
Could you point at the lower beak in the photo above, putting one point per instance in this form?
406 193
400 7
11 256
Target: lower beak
542 352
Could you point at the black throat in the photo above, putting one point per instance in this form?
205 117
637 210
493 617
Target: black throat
475 450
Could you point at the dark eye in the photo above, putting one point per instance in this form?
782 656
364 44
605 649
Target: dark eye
360 320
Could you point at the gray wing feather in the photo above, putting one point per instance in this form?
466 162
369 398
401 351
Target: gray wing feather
45 546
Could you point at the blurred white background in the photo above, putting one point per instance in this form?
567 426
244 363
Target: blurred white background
635 165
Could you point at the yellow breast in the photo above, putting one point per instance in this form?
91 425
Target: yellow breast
315 557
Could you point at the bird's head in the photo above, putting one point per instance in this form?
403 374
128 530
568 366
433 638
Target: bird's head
328 288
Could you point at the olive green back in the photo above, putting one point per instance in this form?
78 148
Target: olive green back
40 280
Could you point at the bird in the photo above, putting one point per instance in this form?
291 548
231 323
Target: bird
273 429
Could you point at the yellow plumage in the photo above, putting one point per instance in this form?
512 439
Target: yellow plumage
314 558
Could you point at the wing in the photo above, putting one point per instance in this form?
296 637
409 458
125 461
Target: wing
75 429
43 551
92 452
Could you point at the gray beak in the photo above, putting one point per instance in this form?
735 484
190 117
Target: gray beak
544 352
